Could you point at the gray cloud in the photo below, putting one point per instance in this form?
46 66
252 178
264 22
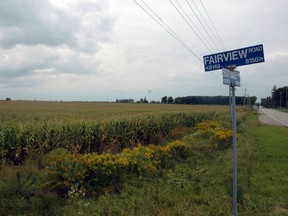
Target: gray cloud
25 61
38 39
22 60
33 22
56 47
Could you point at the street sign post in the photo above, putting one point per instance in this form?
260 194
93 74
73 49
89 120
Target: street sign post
234 127
228 61
238 57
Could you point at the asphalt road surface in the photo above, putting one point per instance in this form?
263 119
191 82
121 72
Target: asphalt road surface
273 117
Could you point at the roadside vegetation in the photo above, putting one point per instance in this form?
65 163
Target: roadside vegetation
185 170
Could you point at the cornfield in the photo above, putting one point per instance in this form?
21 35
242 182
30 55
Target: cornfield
19 142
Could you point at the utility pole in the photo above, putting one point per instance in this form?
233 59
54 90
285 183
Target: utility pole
286 96
280 99
244 101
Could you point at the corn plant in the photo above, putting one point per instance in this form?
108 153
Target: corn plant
19 142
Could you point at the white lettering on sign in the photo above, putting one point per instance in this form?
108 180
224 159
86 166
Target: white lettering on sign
253 60
228 56
255 49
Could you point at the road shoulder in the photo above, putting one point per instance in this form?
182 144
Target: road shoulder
265 119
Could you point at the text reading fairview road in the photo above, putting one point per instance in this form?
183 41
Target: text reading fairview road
243 56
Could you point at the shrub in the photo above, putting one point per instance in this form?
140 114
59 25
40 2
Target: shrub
95 172
218 135
22 192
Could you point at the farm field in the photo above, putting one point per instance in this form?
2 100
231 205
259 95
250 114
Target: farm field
30 112
70 158
27 126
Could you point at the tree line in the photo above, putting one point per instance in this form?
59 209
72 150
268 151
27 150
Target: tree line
278 98
196 100
208 100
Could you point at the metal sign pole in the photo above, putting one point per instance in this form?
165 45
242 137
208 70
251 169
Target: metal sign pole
231 77
228 61
234 152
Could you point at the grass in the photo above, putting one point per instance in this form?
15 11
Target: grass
270 171
283 110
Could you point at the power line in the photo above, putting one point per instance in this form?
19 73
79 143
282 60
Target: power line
202 25
189 25
219 40
167 28
217 77
162 21
213 25
203 18
195 26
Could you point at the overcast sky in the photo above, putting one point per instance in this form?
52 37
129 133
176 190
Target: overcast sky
103 50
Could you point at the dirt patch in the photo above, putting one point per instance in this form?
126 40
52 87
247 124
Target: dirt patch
277 210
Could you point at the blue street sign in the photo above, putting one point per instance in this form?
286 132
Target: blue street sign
239 57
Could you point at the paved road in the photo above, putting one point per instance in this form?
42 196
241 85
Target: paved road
273 117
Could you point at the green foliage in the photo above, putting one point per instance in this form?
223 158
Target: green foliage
278 98
95 172
19 142
219 136
201 184
127 178
154 179
21 192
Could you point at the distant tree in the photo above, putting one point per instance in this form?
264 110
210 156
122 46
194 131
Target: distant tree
178 100
253 100
124 101
142 100
280 97
274 89
8 99
274 96
155 102
285 96
266 102
164 100
170 100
